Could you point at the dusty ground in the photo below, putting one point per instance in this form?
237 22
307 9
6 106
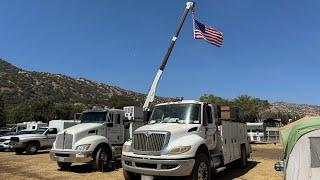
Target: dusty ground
39 166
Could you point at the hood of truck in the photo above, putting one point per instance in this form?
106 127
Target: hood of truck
176 130
6 137
81 131
84 127
30 136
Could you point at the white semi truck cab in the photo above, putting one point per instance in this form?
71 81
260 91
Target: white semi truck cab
184 138
98 139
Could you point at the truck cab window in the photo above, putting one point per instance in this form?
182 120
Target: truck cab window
93 117
207 115
52 131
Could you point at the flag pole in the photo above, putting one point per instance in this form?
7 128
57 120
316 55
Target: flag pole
152 91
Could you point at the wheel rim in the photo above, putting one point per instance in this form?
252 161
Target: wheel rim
103 159
203 171
33 149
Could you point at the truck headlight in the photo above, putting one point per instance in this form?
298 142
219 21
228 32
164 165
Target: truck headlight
126 148
83 147
179 150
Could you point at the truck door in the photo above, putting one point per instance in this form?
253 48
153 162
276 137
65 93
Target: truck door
115 128
209 126
50 136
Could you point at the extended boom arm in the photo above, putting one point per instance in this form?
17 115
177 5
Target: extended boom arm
152 91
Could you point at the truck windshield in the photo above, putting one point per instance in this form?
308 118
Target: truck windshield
93 117
176 113
40 130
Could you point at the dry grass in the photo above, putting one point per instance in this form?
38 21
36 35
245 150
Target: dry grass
260 167
39 166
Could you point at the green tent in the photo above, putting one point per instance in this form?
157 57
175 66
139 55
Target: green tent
291 133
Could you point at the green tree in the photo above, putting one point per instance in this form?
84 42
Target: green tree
120 101
42 111
251 106
67 111
209 98
2 111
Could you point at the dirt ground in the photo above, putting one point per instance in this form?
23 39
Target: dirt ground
39 166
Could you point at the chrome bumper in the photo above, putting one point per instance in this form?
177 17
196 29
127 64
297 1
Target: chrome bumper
156 167
4 146
71 156
17 145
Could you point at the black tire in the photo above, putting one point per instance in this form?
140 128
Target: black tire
201 169
64 165
101 160
130 176
32 148
242 163
18 151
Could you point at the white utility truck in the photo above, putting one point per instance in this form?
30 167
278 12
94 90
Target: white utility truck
98 139
185 138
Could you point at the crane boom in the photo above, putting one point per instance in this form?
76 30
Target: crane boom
152 91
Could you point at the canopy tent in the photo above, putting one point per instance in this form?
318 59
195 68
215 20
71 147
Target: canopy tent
301 141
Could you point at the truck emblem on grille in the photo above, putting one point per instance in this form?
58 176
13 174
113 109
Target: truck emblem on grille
147 133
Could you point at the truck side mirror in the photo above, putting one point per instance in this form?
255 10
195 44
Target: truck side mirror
146 115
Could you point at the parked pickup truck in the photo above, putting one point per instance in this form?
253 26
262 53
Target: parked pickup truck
31 143
5 140
42 138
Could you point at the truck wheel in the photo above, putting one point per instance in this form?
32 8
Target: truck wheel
32 148
64 165
100 160
18 151
130 176
201 169
244 159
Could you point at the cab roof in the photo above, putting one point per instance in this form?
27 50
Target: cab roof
181 102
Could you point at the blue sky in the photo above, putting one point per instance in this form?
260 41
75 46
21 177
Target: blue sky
270 51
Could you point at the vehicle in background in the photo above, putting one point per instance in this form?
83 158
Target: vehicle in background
41 139
31 143
256 132
5 140
98 139
4 131
185 138
30 125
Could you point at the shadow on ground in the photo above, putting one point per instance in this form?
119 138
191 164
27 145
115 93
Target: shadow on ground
233 172
87 168
39 152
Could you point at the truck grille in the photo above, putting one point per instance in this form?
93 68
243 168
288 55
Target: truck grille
149 142
64 141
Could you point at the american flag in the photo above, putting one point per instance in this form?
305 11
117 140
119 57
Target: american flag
209 34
